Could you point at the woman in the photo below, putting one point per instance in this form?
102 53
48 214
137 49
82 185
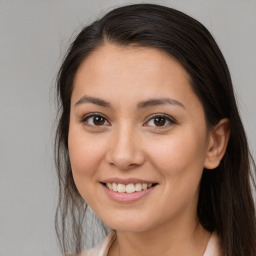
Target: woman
150 137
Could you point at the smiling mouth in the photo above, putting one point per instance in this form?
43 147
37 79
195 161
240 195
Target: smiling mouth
129 188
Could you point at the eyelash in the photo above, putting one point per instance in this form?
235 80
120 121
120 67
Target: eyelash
167 118
85 118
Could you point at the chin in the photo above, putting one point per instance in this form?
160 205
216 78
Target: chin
129 228
128 224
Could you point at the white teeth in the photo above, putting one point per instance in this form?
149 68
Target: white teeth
109 185
121 188
138 187
114 187
130 188
144 186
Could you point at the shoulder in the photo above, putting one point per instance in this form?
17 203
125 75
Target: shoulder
102 248
213 248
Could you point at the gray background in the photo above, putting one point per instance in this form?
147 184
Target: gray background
34 36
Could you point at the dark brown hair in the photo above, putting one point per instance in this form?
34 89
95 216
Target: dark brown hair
225 201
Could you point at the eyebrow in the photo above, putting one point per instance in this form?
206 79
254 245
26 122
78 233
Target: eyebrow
143 104
160 101
93 100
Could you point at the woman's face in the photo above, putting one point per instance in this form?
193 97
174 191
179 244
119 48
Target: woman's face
136 126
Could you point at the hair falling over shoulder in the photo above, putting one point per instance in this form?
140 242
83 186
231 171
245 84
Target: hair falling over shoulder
226 202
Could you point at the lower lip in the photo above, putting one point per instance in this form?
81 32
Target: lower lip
126 197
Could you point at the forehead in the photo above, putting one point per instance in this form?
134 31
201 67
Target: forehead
132 72
110 58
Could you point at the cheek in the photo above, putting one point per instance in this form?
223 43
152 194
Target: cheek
179 160
85 154
179 156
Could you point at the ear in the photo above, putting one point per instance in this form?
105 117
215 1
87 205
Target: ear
218 141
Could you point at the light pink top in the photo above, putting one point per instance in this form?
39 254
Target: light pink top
212 249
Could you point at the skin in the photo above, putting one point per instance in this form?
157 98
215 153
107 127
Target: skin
128 143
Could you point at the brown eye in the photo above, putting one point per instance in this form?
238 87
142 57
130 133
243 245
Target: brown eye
159 121
98 120
95 120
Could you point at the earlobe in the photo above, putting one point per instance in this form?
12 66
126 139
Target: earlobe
218 141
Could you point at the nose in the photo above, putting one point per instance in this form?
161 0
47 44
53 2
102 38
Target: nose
125 151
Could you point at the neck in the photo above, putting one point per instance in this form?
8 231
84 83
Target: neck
168 239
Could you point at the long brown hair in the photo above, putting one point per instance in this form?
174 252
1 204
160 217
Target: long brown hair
225 201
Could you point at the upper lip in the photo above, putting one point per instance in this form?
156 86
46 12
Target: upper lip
127 181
